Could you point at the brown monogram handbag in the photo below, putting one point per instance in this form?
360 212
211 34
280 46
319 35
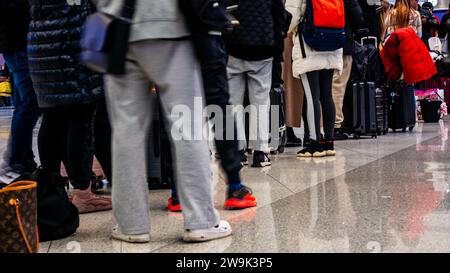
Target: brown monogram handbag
18 218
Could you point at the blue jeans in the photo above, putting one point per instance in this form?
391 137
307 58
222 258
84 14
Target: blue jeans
19 155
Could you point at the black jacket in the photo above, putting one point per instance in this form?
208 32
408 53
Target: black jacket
372 18
443 29
259 26
59 78
354 21
14 21
256 23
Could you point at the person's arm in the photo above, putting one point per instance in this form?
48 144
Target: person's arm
443 27
419 25
294 8
355 15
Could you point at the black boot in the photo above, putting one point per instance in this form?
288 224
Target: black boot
292 139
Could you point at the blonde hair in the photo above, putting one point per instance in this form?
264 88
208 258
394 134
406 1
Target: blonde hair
383 13
402 14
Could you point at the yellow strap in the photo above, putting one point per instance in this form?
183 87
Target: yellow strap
20 185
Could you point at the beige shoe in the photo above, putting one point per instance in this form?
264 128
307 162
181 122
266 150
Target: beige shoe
86 201
222 230
130 238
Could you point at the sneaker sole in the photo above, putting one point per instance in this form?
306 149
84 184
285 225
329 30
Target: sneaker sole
192 238
330 153
132 238
240 205
319 154
260 165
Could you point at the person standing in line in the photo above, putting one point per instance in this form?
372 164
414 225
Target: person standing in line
251 47
18 159
207 28
68 94
158 26
354 19
403 15
315 68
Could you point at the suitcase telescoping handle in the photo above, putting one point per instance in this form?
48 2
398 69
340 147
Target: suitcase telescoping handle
369 38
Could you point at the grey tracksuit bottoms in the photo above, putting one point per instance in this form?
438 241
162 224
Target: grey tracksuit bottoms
257 77
172 66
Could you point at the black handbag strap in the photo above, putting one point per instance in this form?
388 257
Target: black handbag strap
128 9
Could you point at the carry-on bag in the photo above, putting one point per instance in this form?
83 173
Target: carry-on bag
402 106
18 218
277 99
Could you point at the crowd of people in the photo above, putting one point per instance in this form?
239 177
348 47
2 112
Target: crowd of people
226 53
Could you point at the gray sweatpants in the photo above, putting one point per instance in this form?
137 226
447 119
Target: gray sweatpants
257 77
171 65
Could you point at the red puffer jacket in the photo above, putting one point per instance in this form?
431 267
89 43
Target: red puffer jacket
405 53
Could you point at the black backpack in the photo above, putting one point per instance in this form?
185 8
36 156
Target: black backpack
57 216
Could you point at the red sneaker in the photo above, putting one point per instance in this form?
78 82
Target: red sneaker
240 199
173 204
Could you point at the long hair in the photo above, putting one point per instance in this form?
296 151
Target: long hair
402 13
383 12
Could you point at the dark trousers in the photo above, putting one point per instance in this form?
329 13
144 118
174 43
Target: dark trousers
68 132
318 92
213 59
102 131
19 155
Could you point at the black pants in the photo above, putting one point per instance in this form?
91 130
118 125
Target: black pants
318 91
102 131
213 59
68 131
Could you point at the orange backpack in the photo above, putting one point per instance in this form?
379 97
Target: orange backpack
323 25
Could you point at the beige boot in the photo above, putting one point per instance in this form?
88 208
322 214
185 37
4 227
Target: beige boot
86 201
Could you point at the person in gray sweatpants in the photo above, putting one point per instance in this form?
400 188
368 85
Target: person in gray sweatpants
252 47
160 52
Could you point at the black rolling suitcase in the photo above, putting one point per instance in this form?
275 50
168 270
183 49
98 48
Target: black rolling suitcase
277 99
364 112
160 174
364 94
402 106
381 111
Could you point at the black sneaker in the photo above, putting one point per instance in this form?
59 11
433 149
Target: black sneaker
240 199
244 160
340 134
260 159
328 147
314 149
306 140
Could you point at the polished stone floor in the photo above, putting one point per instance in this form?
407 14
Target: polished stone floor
389 194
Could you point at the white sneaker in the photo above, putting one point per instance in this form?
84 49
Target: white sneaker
223 229
130 238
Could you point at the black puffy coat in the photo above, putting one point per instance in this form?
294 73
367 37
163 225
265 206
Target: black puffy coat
14 21
59 78
354 21
256 23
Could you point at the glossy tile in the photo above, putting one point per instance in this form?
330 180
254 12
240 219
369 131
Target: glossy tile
390 194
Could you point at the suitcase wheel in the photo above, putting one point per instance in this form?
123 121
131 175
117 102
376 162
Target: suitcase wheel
281 149
274 152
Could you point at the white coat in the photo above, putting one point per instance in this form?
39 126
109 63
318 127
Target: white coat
315 60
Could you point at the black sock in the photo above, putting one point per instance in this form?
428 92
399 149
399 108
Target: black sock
290 133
